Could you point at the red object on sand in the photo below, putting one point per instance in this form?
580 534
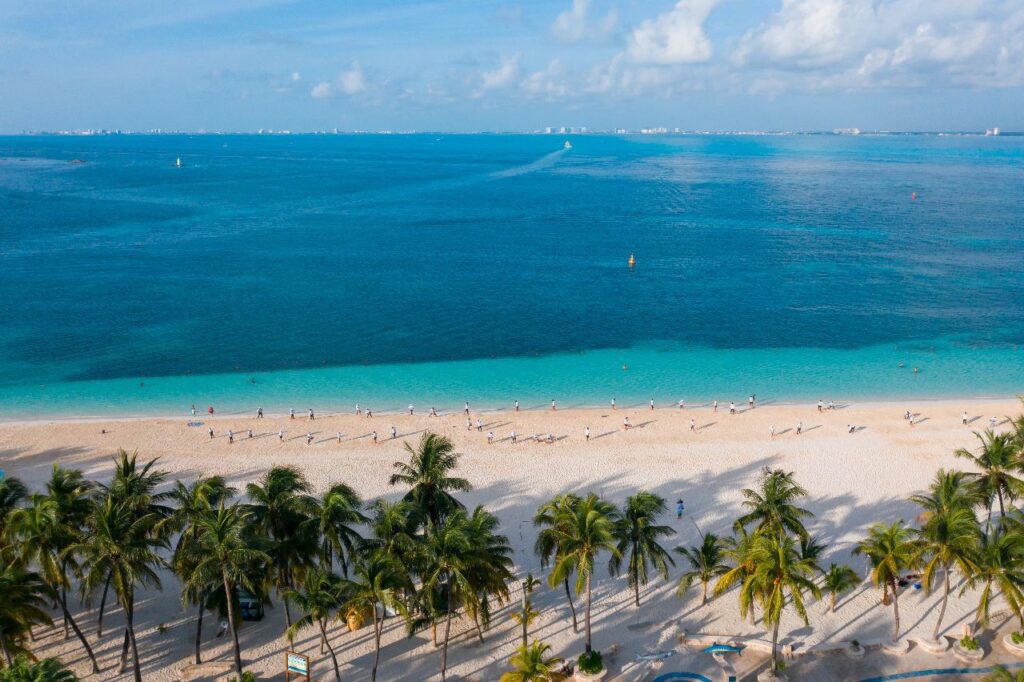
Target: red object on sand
210 409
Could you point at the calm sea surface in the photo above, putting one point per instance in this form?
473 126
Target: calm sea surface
324 270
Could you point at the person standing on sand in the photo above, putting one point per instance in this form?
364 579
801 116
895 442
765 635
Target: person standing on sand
831 404
339 436
410 409
714 406
517 406
193 410
311 416
652 403
469 424
211 433
250 434
553 406
613 404
514 436
821 406
479 425
680 508
750 401
291 413
374 437
280 435
799 428
259 413
963 418
693 426
625 424
681 405
394 432
369 413
586 433
231 436
993 420
490 437
465 410
358 411
732 408
771 431
309 438
433 412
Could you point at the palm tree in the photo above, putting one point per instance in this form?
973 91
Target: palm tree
379 579
447 562
737 549
890 549
1001 673
589 531
71 495
12 492
490 570
427 475
194 502
773 506
779 575
338 513
322 593
533 664
392 528
839 578
225 555
23 606
46 670
637 532
997 460
122 546
133 487
559 509
43 537
948 539
999 565
283 512
950 490
707 561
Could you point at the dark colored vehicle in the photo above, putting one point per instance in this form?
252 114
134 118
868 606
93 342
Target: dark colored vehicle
250 606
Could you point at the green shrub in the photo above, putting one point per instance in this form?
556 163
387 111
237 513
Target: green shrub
591 663
855 644
1017 637
969 644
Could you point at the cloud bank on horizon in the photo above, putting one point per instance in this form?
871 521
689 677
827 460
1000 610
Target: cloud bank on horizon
463 65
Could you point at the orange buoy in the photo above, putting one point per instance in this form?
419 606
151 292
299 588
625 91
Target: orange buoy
632 260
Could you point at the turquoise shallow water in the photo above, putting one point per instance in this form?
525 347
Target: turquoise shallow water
436 269
664 372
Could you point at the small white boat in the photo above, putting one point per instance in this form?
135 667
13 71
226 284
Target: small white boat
177 162
568 145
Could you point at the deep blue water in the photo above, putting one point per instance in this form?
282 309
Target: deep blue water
301 260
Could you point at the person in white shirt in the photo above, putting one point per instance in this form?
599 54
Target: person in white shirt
586 432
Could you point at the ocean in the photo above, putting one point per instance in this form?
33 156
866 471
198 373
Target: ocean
324 270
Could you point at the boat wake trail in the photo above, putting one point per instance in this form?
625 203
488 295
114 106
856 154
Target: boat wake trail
543 162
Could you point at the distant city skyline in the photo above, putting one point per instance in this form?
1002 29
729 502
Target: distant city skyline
458 65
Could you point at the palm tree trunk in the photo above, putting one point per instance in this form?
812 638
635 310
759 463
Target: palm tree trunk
130 617
896 612
231 622
945 598
125 648
704 599
775 646
78 632
636 588
586 616
64 600
199 626
377 627
447 633
1002 512
103 603
832 604
334 659
568 595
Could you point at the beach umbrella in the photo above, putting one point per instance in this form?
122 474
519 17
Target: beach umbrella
722 649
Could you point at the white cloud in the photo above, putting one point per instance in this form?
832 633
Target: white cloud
548 82
575 24
322 90
501 77
296 76
675 37
352 80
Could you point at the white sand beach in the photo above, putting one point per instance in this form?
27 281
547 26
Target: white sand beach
853 479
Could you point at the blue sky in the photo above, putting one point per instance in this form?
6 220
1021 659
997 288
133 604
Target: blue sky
506 65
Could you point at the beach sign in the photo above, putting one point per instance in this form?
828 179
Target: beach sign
296 665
